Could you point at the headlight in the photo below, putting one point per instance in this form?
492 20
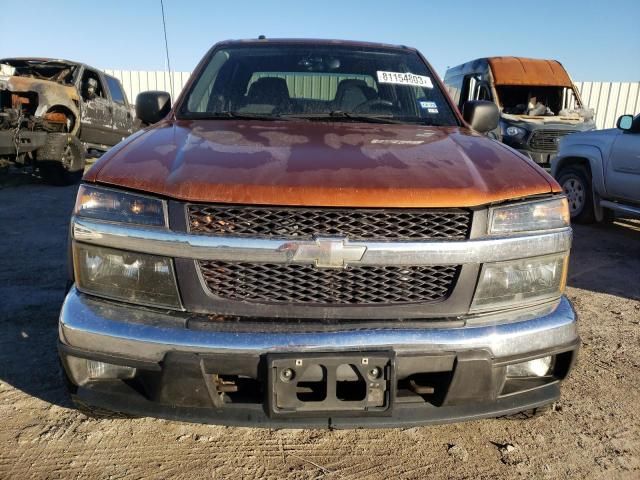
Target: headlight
520 282
514 131
127 276
116 206
529 216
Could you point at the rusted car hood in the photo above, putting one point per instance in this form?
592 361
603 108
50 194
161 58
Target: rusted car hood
321 164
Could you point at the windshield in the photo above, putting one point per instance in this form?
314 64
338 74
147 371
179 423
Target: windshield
536 100
317 82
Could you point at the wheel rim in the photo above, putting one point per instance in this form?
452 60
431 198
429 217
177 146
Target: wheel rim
575 192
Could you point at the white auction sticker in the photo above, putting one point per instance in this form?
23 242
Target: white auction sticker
404 79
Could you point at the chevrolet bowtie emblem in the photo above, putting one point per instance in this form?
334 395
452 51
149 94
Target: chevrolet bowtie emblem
328 253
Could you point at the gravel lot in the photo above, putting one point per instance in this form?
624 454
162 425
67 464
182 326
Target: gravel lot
593 432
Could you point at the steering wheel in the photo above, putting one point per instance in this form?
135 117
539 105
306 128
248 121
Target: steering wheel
363 107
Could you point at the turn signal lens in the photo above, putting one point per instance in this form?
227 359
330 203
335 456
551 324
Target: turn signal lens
100 370
533 368
82 371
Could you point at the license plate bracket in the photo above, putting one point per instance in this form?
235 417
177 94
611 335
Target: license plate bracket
356 384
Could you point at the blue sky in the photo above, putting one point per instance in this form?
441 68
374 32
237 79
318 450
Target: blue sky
595 40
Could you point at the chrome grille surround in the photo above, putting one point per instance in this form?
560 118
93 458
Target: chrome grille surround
175 244
331 253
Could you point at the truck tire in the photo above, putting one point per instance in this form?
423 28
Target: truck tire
61 160
576 184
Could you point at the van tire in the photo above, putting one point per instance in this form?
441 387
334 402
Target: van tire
576 184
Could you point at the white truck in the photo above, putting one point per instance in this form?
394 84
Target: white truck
599 171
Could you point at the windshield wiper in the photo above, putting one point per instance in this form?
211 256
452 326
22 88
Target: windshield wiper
232 115
428 122
340 115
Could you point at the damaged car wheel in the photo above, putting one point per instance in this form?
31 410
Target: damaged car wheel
61 160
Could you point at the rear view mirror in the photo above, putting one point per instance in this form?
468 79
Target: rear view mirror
483 116
152 106
625 122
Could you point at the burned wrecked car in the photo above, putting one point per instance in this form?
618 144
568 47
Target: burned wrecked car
52 111
539 103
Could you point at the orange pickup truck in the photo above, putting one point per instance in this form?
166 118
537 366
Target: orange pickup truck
314 235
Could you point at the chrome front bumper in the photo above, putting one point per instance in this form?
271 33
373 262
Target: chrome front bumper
179 358
117 329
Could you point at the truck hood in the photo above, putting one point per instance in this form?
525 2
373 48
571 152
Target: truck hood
320 164
601 139
581 122
49 94
45 88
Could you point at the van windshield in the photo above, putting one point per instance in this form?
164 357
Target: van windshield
537 100
317 83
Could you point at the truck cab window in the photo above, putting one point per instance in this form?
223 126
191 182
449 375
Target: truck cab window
483 93
473 88
91 86
117 94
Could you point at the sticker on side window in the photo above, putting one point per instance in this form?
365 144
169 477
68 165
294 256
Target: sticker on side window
426 105
400 78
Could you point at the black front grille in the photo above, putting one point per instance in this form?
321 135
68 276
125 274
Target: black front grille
547 140
453 224
306 284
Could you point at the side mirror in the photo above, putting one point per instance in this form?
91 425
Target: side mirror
625 122
152 106
483 116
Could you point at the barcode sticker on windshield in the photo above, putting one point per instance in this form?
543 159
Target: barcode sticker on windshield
404 79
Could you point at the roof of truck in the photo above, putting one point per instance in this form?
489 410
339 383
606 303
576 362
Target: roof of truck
528 71
40 60
517 71
312 41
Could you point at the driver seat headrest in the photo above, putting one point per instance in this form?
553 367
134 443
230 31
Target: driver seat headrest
351 93
268 90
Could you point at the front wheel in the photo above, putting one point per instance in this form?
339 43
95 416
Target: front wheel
61 160
576 185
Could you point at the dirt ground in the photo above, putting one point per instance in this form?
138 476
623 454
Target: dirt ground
593 432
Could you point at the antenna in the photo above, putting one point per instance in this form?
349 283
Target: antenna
166 48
